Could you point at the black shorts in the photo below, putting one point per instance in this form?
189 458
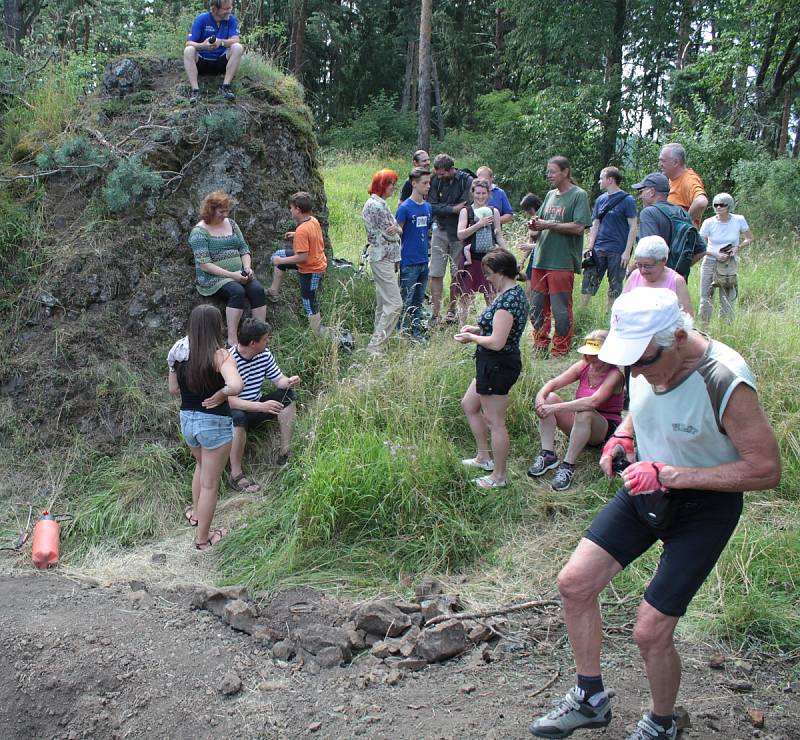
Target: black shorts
696 527
496 372
212 66
253 419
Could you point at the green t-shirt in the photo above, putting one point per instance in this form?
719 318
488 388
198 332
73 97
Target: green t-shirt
562 251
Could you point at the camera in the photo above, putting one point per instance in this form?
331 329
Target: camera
212 39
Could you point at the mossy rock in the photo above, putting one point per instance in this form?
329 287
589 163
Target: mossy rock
27 147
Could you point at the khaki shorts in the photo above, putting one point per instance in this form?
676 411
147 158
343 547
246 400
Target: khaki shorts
442 249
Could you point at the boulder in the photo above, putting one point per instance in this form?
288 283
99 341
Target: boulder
442 641
331 657
381 618
230 684
240 615
122 77
317 637
427 589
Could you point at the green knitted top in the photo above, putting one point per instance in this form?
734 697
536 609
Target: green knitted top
225 251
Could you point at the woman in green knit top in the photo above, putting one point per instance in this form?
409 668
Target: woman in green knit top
223 264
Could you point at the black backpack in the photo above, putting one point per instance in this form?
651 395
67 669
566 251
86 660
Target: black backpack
685 241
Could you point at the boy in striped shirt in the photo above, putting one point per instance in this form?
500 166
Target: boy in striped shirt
251 408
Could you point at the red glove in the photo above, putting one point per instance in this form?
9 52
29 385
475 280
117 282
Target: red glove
624 441
643 477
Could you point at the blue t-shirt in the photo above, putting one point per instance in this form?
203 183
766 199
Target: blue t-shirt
499 200
204 27
415 218
612 236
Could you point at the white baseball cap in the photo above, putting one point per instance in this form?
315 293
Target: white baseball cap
636 317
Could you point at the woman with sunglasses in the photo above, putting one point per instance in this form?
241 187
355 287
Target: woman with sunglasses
725 232
650 260
588 420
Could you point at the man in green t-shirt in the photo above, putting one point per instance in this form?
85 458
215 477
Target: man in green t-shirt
561 221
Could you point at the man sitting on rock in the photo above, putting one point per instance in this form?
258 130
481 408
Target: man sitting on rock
250 409
212 47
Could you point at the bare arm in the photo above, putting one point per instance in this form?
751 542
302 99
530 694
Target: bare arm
172 382
501 328
747 238
612 382
593 232
571 227
626 255
498 229
698 207
684 299
226 366
752 436
571 375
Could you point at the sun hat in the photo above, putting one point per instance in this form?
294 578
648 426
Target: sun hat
590 347
636 317
654 180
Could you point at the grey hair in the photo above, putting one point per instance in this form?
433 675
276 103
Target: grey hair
666 337
725 198
676 151
419 155
653 247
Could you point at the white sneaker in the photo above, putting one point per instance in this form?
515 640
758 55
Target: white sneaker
471 462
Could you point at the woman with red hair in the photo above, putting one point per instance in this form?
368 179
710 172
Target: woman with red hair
383 235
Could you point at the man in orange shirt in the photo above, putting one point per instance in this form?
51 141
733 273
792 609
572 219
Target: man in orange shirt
307 256
686 189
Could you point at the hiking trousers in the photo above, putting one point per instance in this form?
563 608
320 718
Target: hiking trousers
552 295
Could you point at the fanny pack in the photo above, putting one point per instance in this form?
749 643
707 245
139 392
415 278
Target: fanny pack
725 274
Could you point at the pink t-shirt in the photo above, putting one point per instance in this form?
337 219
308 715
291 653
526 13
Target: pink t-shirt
668 280
612 408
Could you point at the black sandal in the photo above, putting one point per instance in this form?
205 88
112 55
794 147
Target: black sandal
213 539
190 520
242 484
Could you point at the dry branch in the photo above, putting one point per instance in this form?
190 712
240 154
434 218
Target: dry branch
494 612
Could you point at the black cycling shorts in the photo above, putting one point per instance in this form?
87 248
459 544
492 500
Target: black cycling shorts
496 372
695 527
253 419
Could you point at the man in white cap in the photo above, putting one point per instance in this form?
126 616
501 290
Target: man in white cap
696 438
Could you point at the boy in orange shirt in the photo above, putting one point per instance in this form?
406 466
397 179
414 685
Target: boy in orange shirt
307 256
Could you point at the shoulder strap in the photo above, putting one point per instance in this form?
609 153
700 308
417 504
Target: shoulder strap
612 202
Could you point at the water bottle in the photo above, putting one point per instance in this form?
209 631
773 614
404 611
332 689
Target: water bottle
46 541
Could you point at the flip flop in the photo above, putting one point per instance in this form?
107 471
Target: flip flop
188 516
486 481
243 485
214 537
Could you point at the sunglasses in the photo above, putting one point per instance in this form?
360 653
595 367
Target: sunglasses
720 205
642 362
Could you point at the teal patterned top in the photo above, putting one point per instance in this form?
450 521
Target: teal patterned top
514 301
225 251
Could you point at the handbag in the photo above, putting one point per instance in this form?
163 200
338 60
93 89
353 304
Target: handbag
726 274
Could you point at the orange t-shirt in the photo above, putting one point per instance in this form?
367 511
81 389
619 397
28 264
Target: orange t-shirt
684 189
308 238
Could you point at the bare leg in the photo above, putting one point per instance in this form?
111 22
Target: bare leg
587 427
494 413
232 318
471 403
653 634
195 480
437 284
190 65
237 450
580 582
234 58
547 426
277 279
315 322
211 464
585 298
286 420
260 313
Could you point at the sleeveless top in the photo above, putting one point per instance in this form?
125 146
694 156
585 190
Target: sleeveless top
191 401
612 408
667 281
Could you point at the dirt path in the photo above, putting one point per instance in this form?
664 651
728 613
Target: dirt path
86 660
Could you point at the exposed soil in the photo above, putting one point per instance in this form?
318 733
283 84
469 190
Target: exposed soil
84 659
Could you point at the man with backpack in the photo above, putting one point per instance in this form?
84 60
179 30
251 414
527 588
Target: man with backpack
611 238
670 222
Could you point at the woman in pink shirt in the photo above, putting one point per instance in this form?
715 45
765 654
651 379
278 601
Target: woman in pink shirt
590 419
650 258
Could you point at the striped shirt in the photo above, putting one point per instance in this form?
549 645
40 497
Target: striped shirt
254 371
225 251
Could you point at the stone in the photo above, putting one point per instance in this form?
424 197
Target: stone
417 620
283 650
682 718
137 585
407 607
265 635
159 558
356 639
381 649
427 588
408 642
381 618
141 600
716 661
230 684
439 606
467 688
479 633
316 637
122 77
744 666
214 599
756 718
315 727
240 615
411 664
739 685
442 641
393 677
331 657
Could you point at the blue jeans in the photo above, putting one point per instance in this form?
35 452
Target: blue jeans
413 281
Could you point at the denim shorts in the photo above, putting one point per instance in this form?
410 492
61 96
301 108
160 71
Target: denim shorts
208 431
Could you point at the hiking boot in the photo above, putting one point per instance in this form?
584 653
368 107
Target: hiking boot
563 477
571 713
194 96
542 463
227 93
649 730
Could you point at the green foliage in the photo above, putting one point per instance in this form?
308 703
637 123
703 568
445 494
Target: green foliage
225 125
378 123
77 151
20 224
129 181
767 193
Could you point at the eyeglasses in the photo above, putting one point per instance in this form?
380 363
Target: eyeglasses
643 266
642 362
720 205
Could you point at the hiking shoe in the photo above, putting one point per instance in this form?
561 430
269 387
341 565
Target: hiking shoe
563 477
542 463
194 96
649 730
572 713
227 93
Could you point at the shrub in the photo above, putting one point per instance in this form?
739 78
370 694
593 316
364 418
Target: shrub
767 194
226 125
129 181
378 123
77 151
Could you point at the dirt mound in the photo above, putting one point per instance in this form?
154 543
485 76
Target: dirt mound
89 338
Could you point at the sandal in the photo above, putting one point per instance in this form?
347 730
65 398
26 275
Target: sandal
212 540
188 515
486 481
243 485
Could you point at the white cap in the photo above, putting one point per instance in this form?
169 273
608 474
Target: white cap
636 317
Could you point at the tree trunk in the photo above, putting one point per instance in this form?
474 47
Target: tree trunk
783 135
499 45
613 79
437 96
409 100
684 33
299 12
424 86
12 18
